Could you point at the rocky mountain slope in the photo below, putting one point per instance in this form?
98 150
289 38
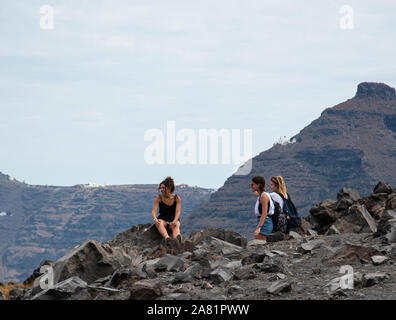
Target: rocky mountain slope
352 144
38 222
313 262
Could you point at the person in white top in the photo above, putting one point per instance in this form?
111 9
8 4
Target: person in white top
263 209
276 188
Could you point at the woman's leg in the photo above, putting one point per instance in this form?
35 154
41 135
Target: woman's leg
175 229
162 228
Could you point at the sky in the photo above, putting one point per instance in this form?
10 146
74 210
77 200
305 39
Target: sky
78 96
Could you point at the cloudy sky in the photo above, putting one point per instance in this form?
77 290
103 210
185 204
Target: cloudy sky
77 100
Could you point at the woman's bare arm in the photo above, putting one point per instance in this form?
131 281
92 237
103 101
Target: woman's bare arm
155 208
178 207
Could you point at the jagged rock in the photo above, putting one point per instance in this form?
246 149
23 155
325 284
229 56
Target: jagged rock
382 188
148 267
225 235
332 230
356 220
377 260
62 290
295 235
307 247
145 290
90 261
245 273
323 215
272 265
220 275
234 290
255 257
345 198
386 227
169 263
224 248
124 276
279 287
276 236
351 254
370 279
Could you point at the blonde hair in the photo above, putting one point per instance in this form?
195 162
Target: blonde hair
280 183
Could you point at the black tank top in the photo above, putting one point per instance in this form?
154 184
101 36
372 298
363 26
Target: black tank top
166 212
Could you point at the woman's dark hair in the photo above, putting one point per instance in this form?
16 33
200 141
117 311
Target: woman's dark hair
168 183
260 181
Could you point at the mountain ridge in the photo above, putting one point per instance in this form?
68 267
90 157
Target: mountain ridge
339 149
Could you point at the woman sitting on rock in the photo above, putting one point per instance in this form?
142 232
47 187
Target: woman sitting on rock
169 209
263 209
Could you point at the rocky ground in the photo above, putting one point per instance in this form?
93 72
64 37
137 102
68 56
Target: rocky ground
317 261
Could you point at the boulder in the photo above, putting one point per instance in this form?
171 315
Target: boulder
386 226
272 265
279 287
356 220
225 235
323 215
145 290
220 275
382 188
350 254
169 263
377 260
345 198
307 247
370 279
62 290
90 261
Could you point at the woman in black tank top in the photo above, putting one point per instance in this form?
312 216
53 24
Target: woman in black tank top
169 205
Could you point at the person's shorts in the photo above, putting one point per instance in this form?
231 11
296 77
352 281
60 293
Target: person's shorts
267 227
167 219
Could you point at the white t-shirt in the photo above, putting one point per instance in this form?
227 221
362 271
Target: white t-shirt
271 208
277 198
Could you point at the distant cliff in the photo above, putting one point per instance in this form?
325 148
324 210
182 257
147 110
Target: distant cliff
352 144
38 222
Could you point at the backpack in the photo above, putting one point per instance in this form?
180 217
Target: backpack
279 218
293 218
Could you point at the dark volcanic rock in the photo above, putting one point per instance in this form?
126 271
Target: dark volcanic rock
146 290
351 254
90 261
